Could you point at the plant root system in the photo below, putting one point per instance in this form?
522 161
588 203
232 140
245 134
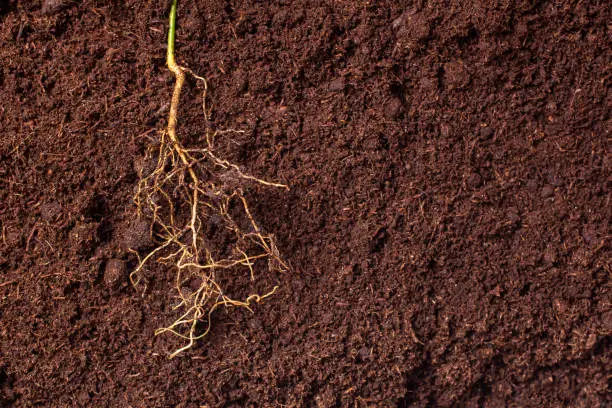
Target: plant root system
188 194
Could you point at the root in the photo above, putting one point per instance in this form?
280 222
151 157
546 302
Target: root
190 192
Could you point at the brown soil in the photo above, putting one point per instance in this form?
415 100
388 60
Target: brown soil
447 223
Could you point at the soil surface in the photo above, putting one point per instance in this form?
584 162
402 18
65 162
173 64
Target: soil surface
447 225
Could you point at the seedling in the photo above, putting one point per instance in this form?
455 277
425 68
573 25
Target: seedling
189 190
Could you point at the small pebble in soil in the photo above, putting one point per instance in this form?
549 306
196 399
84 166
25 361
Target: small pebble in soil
393 108
114 272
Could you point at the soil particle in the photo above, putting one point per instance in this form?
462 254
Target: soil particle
50 211
54 6
412 27
115 273
429 86
474 180
136 235
513 215
144 166
13 238
195 283
486 133
83 398
550 255
84 237
456 75
255 324
547 191
393 108
553 179
241 83
336 85
532 185
280 18
589 234
364 353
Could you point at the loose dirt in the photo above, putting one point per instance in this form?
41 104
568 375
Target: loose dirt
447 225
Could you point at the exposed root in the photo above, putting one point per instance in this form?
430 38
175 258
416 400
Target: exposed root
190 193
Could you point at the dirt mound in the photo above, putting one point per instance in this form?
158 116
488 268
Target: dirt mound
447 224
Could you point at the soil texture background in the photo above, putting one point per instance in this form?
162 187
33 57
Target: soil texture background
447 223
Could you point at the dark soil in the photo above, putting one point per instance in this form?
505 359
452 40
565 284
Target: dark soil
448 221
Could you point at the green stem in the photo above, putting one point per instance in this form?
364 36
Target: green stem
171 34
